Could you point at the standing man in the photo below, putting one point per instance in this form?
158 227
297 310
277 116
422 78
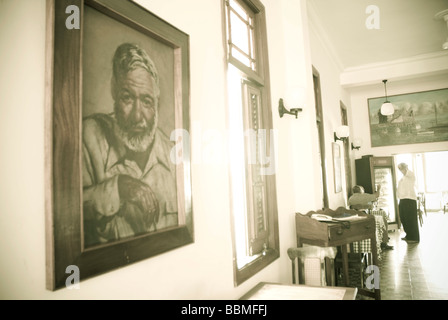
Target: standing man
129 181
408 204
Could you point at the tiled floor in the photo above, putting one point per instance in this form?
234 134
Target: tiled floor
417 271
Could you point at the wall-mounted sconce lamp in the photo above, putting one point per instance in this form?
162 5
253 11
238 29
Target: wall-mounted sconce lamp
282 110
356 144
387 108
293 97
341 133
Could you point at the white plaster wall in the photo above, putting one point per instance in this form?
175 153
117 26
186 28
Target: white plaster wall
202 270
297 172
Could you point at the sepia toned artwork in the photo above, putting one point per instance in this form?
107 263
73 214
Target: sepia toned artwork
419 117
117 98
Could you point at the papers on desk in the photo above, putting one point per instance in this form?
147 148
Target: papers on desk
348 217
342 217
298 292
321 217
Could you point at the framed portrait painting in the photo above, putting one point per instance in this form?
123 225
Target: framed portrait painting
118 169
419 117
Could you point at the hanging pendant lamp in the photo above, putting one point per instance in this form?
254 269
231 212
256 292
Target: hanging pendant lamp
387 108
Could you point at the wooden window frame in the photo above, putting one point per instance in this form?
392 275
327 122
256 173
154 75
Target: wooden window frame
258 78
321 135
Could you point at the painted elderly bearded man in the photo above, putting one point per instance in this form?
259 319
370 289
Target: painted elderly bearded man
129 183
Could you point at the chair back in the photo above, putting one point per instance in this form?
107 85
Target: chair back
312 265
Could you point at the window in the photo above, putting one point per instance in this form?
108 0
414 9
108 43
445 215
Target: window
252 162
436 176
430 174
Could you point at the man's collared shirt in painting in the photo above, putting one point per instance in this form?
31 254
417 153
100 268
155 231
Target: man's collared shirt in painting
104 159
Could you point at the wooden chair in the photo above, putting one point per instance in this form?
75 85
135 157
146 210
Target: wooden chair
421 207
312 265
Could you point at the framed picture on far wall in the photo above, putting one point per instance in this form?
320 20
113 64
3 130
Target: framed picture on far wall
419 117
117 105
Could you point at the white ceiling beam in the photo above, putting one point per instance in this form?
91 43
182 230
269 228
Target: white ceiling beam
418 66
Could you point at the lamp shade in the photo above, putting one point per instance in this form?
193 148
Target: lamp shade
387 109
357 143
445 45
343 131
294 96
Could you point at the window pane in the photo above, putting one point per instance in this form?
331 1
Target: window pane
241 57
257 178
235 6
239 36
436 179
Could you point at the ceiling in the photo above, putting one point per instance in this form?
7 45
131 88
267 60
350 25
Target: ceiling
407 28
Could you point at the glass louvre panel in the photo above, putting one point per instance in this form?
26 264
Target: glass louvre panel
256 191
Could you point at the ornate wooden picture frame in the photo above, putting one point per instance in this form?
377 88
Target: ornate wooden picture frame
118 183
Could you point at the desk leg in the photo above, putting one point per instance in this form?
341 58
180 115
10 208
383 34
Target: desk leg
329 272
375 263
345 264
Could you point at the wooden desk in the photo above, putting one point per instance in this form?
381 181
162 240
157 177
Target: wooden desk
277 291
327 234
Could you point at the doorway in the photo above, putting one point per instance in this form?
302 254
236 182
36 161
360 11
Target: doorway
431 175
